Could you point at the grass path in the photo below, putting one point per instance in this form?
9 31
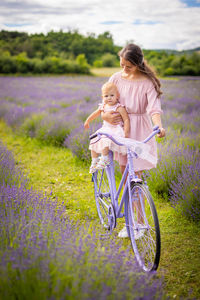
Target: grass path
55 170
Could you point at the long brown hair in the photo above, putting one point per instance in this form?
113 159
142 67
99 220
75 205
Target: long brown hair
134 55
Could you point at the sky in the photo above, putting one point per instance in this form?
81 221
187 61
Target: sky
152 24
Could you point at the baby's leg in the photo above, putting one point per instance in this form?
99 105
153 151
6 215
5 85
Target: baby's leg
94 154
105 151
95 159
104 160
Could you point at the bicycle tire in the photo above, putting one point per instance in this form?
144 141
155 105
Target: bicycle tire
103 200
146 248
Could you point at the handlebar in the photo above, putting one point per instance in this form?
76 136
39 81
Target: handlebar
156 130
93 136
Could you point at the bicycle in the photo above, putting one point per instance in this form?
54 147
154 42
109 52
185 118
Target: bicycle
139 209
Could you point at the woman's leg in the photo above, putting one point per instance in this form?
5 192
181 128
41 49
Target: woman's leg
122 169
137 204
139 173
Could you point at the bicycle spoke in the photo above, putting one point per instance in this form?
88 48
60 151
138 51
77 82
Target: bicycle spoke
145 235
103 199
103 203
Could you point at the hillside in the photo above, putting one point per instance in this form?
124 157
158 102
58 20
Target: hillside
71 52
176 52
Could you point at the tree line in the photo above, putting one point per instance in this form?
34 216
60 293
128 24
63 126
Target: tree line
71 52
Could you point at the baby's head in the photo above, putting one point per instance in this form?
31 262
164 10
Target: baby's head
110 94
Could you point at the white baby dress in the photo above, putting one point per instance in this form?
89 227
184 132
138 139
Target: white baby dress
116 131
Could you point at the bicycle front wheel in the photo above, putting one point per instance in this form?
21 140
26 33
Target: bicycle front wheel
103 200
143 228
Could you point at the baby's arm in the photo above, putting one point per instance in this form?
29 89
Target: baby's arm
125 119
92 117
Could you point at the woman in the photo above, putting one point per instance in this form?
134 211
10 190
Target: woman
139 90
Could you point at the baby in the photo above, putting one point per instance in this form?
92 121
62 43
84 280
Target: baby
110 96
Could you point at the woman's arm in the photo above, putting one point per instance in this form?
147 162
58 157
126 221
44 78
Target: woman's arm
157 121
125 119
111 117
92 117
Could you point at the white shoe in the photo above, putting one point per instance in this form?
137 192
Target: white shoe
138 234
102 163
93 166
123 233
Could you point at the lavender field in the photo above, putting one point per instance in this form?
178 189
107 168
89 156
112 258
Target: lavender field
44 255
52 109
37 251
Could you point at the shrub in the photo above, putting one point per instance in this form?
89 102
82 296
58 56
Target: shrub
169 71
44 255
31 125
53 131
185 191
23 63
38 66
172 159
108 60
98 63
81 60
189 70
55 65
78 143
17 115
10 174
7 64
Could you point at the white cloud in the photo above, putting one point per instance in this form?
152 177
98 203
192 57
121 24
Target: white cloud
150 23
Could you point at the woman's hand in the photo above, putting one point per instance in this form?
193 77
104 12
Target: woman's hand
162 133
112 117
157 122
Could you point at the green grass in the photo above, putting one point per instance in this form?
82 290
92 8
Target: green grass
108 71
53 169
104 72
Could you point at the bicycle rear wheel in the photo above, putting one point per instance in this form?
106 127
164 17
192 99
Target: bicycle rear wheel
143 228
103 200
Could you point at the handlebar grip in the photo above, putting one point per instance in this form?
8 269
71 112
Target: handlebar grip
93 136
155 127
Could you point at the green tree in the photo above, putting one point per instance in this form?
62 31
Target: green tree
108 60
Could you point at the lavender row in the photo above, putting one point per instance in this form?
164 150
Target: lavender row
44 255
9 173
50 108
53 109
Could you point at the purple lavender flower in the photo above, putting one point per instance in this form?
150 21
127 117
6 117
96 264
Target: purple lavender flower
10 174
185 191
43 254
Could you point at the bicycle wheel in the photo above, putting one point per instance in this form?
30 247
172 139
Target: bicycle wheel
143 228
103 200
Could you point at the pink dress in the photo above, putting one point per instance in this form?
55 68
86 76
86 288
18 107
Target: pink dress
141 102
114 130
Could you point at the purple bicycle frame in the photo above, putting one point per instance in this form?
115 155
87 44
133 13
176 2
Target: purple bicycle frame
128 170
